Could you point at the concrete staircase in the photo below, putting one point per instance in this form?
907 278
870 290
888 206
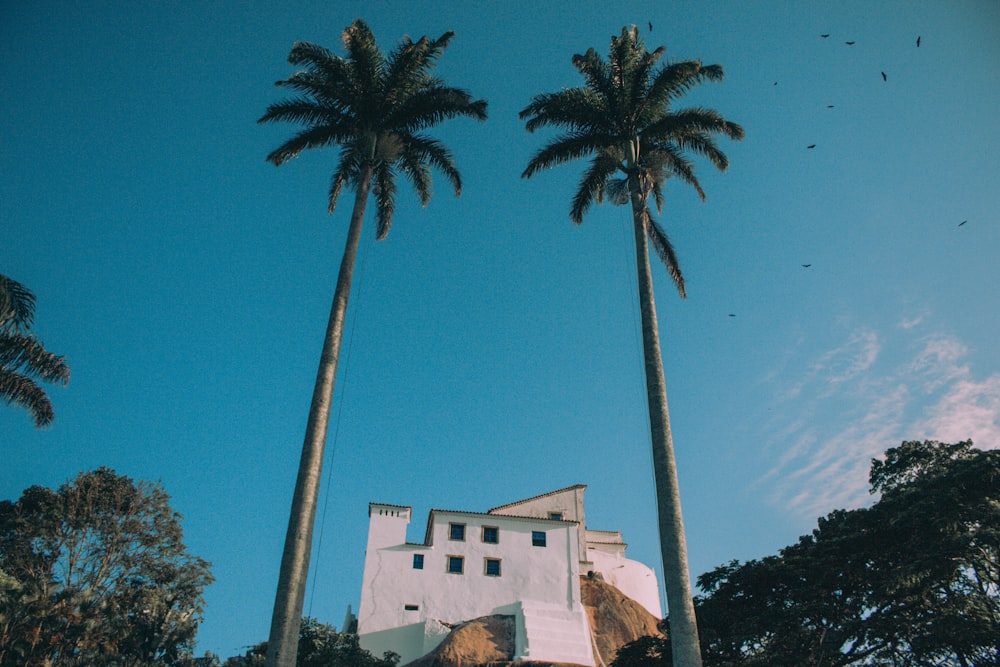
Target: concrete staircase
553 633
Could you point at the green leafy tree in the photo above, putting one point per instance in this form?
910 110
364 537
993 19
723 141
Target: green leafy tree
23 358
96 573
375 108
623 120
912 580
320 645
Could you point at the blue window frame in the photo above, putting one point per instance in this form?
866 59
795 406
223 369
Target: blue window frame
538 538
418 561
456 531
456 564
491 534
492 568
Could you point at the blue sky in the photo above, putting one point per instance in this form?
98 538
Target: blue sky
493 349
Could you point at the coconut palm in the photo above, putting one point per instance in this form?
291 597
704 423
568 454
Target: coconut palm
622 118
375 108
23 357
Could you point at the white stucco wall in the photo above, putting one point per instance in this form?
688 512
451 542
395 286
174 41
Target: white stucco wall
631 577
390 583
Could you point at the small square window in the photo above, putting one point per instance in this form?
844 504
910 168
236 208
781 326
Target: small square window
418 561
492 567
491 534
456 531
538 538
456 564
556 515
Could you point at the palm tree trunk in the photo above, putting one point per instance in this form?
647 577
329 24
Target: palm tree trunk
283 643
686 651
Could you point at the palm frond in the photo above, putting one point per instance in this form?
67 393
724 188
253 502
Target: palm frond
301 110
665 251
593 185
418 172
313 137
566 148
17 306
694 119
571 108
348 169
24 392
430 106
26 355
596 73
426 150
673 80
384 189
366 59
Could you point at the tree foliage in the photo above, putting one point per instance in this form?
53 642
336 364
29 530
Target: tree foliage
23 358
912 580
96 573
320 645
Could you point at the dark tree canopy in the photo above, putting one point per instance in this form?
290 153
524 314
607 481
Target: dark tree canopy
912 580
320 645
24 361
96 573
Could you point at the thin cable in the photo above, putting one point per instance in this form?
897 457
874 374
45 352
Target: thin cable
356 303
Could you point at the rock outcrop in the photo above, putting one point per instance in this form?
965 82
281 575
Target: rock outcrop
615 620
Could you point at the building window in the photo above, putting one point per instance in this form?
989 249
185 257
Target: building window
418 561
538 538
556 515
492 567
456 564
491 534
411 607
456 531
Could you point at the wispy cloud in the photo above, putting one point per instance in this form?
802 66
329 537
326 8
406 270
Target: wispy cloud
854 401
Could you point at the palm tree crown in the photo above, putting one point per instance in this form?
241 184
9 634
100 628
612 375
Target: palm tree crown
375 108
23 357
623 119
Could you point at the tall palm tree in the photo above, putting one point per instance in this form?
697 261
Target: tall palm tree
622 118
375 108
23 357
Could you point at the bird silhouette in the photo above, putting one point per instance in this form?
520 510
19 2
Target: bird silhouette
806 266
849 43
918 41
829 106
825 36
732 314
884 78
962 223
650 26
811 146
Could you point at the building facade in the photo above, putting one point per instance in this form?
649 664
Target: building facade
523 560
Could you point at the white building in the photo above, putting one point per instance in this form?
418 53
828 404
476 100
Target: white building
523 559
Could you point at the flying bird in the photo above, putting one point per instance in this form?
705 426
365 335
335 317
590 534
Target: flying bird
732 314
806 266
962 223
829 106
825 36
849 43
918 41
811 146
650 26
884 78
